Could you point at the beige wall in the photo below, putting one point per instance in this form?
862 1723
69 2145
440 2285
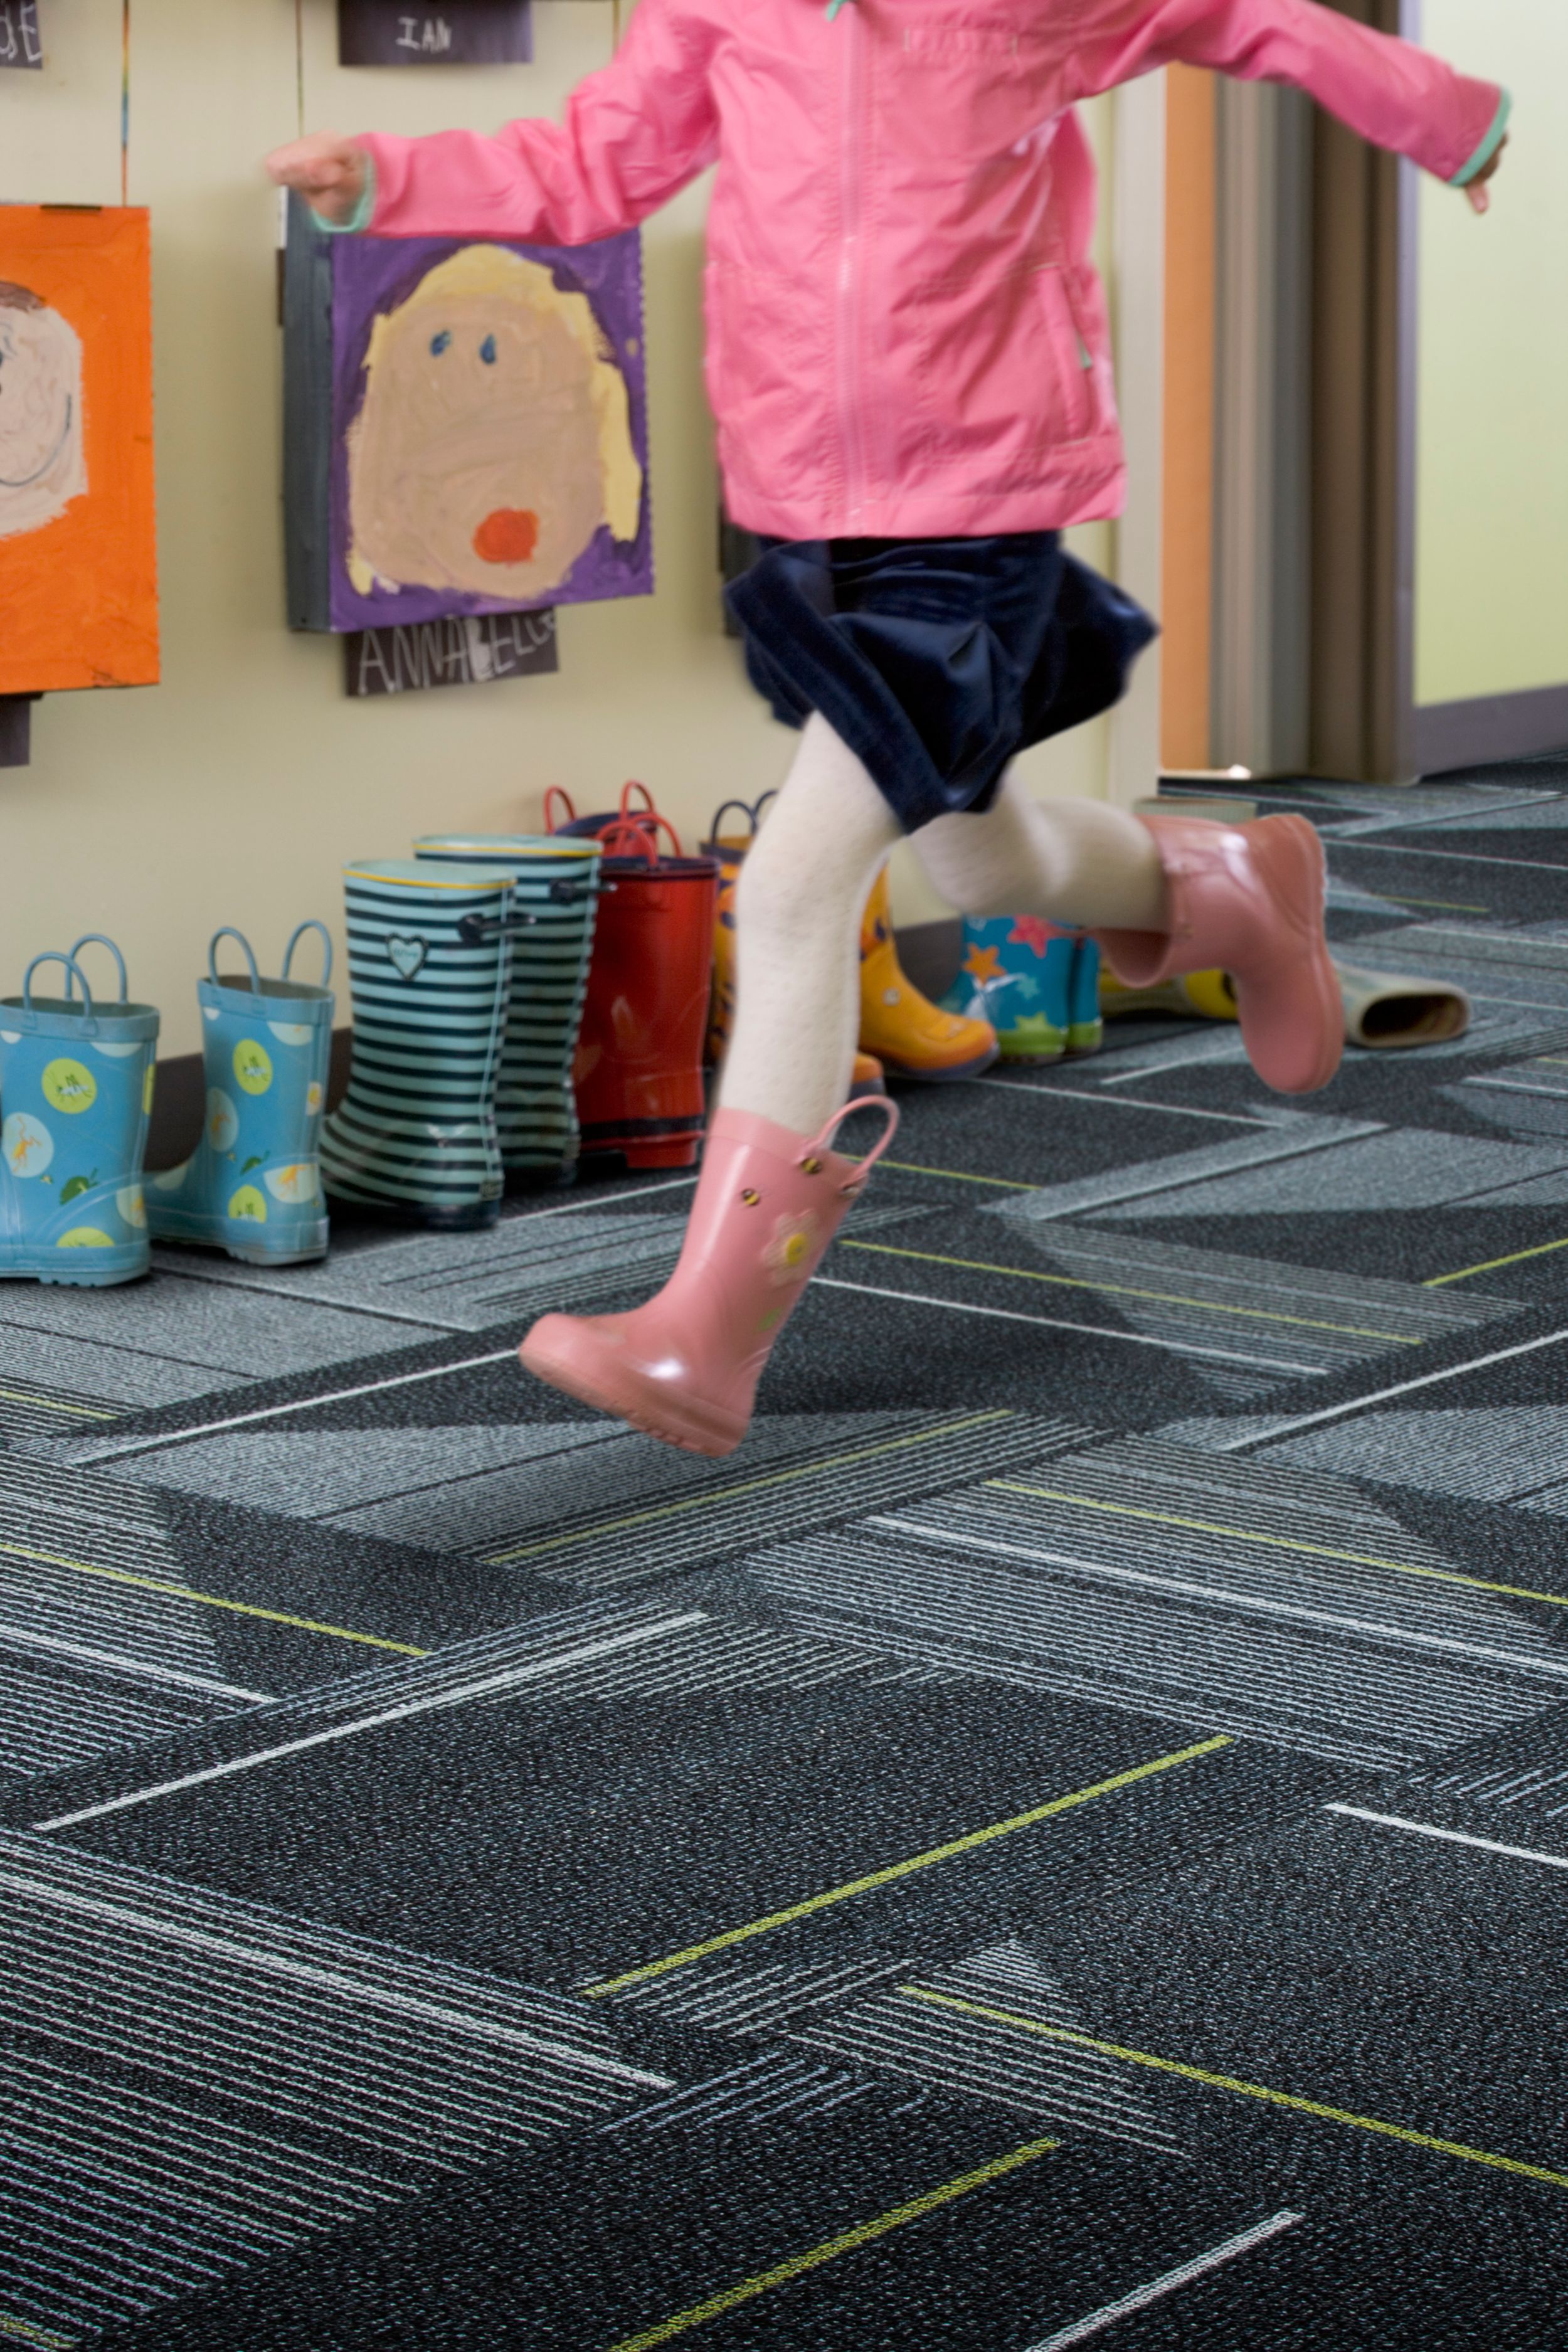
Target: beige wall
233 792
1491 598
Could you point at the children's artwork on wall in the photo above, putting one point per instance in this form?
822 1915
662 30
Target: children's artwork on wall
78 585
466 426
456 33
20 46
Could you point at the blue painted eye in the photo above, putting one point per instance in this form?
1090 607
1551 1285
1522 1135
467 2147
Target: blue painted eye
487 351
439 342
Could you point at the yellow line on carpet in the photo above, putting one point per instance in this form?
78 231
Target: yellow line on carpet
24 2331
1247 2090
212 1599
53 1404
748 1486
1451 905
1490 1265
1281 1543
897 1870
845 2243
961 1176
1126 1290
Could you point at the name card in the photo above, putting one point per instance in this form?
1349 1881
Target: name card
20 47
464 650
457 33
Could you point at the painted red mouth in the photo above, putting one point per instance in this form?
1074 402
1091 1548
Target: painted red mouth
509 535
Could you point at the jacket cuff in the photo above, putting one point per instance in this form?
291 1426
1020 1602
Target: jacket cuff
1489 144
360 218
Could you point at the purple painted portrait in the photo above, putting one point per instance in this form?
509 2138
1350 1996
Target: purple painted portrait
489 427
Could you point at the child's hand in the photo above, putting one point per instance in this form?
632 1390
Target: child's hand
1481 201
329 172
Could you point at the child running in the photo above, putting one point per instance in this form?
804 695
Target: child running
908 359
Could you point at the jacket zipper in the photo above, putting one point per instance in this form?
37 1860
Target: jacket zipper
849 262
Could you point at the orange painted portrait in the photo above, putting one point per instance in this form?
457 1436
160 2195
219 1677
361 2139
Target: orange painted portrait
79 573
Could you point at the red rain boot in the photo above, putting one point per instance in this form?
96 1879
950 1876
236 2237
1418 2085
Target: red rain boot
685 1367
1247 899
639 1067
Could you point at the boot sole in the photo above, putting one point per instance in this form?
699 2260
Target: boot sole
247 1254
634 1400
87 1277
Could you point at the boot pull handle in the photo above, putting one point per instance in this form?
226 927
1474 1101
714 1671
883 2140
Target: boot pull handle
101 940
311 923
642 833
474 930
74 973
227 931
822 1142
554 793
569 889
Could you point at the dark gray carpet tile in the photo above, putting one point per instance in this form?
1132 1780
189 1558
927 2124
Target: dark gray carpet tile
859 2215
581 1806
1399 1980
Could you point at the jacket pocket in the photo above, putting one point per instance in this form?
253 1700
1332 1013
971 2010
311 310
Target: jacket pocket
1075 327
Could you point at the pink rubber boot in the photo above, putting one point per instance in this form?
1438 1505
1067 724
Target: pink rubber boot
1247 899
686 1366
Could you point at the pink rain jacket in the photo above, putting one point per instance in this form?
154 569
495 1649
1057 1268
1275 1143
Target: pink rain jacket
905 335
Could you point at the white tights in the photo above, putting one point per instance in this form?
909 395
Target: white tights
803 886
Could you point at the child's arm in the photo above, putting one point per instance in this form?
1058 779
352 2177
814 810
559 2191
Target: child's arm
1392 93
635 133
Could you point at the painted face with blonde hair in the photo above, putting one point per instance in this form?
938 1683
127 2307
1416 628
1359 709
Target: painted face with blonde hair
41 464
494 435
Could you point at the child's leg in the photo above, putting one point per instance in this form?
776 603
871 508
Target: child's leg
798 935
1164 894
1072 861
772 1191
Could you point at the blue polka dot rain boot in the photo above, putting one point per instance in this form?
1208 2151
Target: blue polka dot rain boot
76 1094
1016 972
253 1185
556 882
415 1137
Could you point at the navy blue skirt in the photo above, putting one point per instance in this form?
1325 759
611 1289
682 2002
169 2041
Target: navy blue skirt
936 659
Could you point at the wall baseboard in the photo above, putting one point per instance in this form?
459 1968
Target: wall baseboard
1493 727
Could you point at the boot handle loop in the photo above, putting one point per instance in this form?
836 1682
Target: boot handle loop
227 931
74 973
751 810
478 930
311 923
821 1143
101 940
552 824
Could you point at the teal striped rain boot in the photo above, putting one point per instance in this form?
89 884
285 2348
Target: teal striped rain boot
556 880
76 1094
1086 1023
1016 972
253 1185
430 965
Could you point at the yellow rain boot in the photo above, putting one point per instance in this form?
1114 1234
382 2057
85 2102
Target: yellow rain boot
910 1035
1207 994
